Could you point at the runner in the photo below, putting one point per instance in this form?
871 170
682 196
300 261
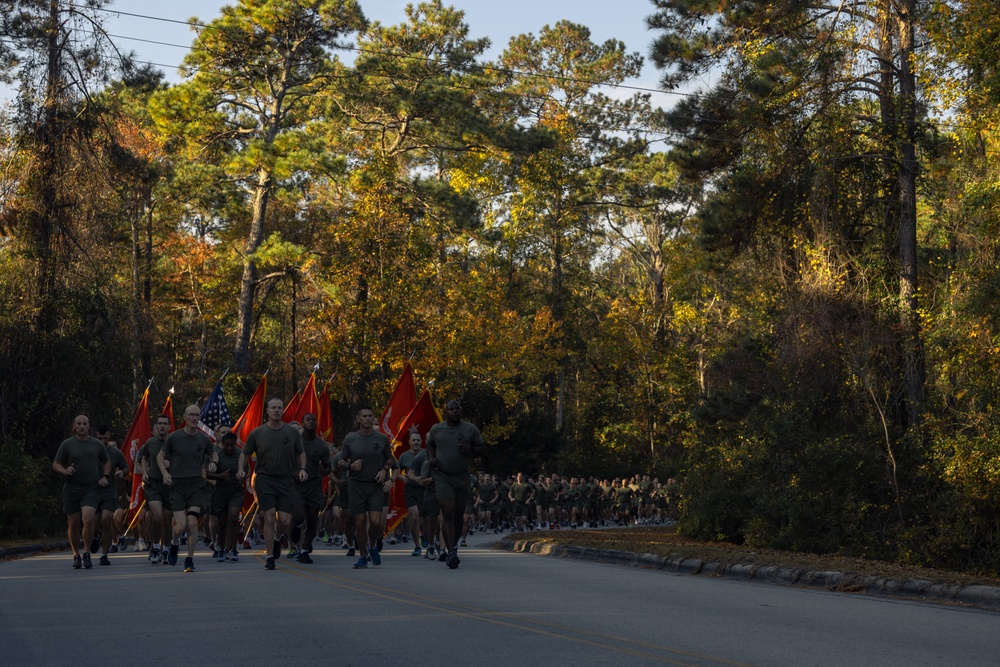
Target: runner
109 500
227 499
280 460
409 465
182 461
449 446
309 492
156 492
368 455
83 462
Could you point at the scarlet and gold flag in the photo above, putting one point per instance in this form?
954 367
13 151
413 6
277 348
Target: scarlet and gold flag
138 432
291 409
308 402
420 418
324 420
138 439
402 400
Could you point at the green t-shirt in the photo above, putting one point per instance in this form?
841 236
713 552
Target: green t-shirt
520 491
87 456
317 452
187 453
447 439
228 462
373 450
118 462
623 495
277 449
488 492
410 462
148 452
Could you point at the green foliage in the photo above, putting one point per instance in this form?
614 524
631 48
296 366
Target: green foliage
29 496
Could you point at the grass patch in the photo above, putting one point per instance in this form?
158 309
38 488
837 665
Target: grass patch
665 541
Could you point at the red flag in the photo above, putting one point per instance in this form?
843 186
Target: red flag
290 413
138 497
421 417
138 432
251 418
403 398
168 410
308 402
324 420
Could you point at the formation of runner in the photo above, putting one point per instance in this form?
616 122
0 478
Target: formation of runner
190 481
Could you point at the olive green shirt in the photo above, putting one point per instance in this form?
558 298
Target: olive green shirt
187 454
86 456
447 439
277 449
373 450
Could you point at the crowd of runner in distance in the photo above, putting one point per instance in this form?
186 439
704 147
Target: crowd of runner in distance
302 484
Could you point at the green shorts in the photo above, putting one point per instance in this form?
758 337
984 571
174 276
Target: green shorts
107 499
520 509
275 492
157 492
365 497
227 496
343 497
412 495
453 487
429 505
310 493
187 492
76 496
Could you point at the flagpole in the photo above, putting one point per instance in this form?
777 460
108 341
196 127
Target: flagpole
136 517
224 374
250 525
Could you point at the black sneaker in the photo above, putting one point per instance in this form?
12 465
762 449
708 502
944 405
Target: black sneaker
305 558
452 561
350 552
172 554
113 549
95 543
86 562
77 562
122 545
189 564
443 556
269 563
104 560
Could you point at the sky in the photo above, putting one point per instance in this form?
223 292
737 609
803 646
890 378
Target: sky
497 19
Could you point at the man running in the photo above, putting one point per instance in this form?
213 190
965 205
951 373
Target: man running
409 465
156 492
309 492
83 462
368 455
449 445
182 462
280 460
109 500
227 498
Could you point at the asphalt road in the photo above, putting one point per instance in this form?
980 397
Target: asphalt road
498 608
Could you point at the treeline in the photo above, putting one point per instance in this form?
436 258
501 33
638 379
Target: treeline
780 291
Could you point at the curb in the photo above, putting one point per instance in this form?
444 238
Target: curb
987 597
27 549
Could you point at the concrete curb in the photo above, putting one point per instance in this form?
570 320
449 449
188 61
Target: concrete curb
28 549
987 597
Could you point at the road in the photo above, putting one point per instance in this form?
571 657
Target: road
498 608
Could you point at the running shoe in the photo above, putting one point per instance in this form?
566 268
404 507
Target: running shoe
189 564
361 564
443 556
95 543
305 558
350 552
104 560
113 549
155 557
122 545
292 553
452 561
172 554
86 562
269 563
463 543
392 540
77 562
431 553
234 556
415 552
375 556
221 558
423 543
215 554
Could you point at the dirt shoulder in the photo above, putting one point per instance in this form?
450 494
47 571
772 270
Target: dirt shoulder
660 547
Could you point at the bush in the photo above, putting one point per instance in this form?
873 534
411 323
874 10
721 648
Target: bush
29 495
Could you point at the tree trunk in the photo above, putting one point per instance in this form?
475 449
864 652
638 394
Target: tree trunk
248 283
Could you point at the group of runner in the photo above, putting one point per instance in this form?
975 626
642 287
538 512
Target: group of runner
187 479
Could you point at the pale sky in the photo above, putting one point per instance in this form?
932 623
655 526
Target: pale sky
497 19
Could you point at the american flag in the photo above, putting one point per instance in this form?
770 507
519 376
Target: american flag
215 412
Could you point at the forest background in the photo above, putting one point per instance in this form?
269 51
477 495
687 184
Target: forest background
780 291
